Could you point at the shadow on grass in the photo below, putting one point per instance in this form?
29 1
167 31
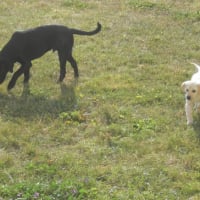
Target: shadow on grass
30 106
196 126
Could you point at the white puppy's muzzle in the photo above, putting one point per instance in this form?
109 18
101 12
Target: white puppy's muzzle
188 98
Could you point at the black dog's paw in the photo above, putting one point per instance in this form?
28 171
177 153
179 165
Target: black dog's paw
10 85
76 75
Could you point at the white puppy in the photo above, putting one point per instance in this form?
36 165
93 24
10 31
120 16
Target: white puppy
192 94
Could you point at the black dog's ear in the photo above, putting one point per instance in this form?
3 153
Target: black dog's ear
11 69
1 63
6 65
10 66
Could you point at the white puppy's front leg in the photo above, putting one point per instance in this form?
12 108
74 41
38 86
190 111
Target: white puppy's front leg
188 110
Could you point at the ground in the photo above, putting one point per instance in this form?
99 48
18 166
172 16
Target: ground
120 133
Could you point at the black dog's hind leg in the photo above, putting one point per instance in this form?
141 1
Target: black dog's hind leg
23 69
73 64
62 60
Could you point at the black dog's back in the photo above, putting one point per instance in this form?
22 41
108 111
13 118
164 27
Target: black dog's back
33 43
24 46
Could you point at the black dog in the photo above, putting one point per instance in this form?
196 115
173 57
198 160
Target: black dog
25 46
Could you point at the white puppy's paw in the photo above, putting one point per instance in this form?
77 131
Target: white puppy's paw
189 123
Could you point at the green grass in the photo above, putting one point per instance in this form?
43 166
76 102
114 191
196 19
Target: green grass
120 133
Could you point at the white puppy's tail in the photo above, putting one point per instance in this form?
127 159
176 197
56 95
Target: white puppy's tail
197 66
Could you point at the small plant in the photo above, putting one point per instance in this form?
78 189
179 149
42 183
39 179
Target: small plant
72 117
143 124
76 3
48 191
147 5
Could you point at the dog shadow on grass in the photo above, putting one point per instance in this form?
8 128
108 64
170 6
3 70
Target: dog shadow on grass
196 126
32 106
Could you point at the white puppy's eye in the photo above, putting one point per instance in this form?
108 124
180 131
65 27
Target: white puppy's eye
187 90
193 91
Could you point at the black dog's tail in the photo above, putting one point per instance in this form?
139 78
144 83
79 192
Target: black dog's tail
79 32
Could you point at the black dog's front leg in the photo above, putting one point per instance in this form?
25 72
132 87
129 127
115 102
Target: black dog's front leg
25 68
27 72
15 76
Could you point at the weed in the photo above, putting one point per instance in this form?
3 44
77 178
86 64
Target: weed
146 5
77 4
54 190
72 117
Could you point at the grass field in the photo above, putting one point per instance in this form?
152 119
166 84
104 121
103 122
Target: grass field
120 133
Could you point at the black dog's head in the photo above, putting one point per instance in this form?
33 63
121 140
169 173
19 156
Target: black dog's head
5 67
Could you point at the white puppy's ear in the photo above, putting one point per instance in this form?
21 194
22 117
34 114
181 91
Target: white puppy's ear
198 86
183 86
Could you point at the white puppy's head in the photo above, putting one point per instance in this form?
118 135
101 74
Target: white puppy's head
192 90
